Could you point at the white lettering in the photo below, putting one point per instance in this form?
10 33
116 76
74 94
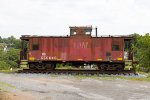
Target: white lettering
48 57
43 54
80 45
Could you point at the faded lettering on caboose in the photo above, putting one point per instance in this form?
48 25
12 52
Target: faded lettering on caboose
80 44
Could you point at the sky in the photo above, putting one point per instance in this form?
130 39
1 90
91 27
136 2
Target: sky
53 17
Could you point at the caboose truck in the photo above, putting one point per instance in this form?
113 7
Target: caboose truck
107 53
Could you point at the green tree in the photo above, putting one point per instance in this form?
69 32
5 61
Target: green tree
1 40
142 48
17 44
3 62
12 57
4 65
2 55
135 45
12 42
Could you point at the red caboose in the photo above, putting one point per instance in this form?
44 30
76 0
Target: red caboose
108 53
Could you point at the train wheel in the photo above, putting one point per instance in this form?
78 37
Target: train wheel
40 67
32 66
50 66
102 67
120 67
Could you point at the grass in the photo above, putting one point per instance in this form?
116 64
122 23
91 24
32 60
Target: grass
107 77
4 86
9 70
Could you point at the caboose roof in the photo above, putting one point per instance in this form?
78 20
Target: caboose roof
26 37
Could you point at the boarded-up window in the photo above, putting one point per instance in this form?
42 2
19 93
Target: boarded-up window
115 48
117 44
35 44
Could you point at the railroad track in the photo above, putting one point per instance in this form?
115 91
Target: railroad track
79 72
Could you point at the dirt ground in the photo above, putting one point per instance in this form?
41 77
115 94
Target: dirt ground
65 87
15 96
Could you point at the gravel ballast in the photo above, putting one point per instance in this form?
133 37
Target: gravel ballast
65 87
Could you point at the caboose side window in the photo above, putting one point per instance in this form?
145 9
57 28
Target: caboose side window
35 44
115 48
35 47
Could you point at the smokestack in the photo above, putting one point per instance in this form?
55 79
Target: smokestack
96 31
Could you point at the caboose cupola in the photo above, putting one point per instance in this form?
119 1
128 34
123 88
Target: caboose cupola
80 30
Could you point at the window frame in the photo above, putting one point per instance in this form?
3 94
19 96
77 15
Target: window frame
35 44
35 47
115 47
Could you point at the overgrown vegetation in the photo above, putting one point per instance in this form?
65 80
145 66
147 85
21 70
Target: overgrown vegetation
9 52
5 87
144 77
142 51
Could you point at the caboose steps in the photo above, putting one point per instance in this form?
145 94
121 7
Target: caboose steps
24 64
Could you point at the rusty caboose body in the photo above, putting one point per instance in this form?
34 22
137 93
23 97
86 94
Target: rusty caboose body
108 53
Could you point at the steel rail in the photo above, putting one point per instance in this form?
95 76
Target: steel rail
76 72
